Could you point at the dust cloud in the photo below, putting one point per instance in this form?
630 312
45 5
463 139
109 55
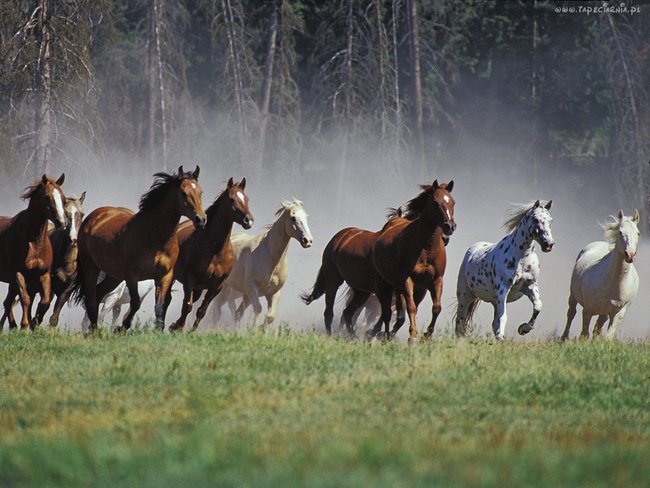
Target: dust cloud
356 191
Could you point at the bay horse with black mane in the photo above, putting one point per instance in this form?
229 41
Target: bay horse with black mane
206 257
132 247
409 250
25 249
349 257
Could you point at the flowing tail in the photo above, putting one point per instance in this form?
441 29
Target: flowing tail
317 291
78 289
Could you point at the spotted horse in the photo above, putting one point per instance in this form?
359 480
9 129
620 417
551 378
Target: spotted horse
505 271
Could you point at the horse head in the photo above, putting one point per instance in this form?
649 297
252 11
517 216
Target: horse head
47 195
74 213
189 197
627 235
239 203
445 205
540 225
297 222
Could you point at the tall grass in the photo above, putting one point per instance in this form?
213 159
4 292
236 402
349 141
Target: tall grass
256 409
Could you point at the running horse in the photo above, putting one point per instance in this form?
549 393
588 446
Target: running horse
412 249
132 247
25 249
348 257
206 257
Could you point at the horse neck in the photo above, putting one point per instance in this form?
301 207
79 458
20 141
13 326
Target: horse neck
518 243
276 240
219 227
164 217
617 267
420 231
36 219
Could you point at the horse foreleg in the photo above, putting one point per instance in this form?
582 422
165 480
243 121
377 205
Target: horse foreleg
163 287
46 296
532 292
186 307
436 297
357 300
58 306
570 314
134 305
400 314
207 299
586 318
600 321
271 304
614 322
411 309
500 315
25 301
9 307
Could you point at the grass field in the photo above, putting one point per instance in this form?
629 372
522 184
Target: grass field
255 409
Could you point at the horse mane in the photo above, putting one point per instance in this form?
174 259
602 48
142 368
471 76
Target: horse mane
287 204
517 213
30 190
159 188
394 213
611 228
415 205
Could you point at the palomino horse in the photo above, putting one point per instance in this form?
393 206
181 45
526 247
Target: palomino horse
261 268
604 280
410 245
505 271
206 257
25 249
64 247
131 247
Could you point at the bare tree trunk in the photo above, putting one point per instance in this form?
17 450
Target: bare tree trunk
396 90
157 14
43 122
152 105
418 117
265 98
533 98
381 46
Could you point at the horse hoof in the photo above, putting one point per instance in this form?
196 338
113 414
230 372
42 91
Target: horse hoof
117 330
524 328
412 341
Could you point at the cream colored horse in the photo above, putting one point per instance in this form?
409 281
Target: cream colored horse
260 268
604 280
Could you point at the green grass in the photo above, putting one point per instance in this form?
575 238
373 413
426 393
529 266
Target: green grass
256 409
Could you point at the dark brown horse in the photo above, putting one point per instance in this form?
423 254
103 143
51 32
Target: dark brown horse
137 246
409 249
64 247
206 256
25 249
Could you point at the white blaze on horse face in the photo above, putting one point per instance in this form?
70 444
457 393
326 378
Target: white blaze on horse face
301 225
445 198
193 185
58 203
240 195
629 233
74 230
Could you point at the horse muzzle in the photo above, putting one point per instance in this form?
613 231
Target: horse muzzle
629 256
199 221
448 228
247 222
547 246
306 242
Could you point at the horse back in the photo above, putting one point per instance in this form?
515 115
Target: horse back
349 254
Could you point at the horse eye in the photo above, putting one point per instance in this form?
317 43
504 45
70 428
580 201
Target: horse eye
293 218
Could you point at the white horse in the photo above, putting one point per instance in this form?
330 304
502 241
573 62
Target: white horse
604 280
505 271
260 268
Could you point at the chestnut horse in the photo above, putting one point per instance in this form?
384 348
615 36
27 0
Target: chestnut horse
25 249
206 257
408 251
136 246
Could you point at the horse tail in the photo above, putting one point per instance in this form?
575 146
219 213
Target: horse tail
468 326
317 291
78 291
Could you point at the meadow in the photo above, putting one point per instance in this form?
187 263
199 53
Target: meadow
287 409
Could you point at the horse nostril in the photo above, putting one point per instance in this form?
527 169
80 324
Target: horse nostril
306 242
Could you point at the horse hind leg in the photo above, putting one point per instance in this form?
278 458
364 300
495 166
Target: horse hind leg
586 319
465 308
356 301
203 308
600 321
8 307
134 306
570 314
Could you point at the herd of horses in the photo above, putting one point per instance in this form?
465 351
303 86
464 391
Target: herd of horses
50 249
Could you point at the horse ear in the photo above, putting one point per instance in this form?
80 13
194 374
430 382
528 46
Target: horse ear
637 217
44 179
61 179
82 197
548 205
180 171
620 215
195 175
450 186
230 182
537 204
435 184
242 185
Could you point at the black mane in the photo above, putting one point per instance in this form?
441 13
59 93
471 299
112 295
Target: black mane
159 188
415 206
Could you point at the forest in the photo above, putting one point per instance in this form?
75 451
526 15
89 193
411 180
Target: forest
295 90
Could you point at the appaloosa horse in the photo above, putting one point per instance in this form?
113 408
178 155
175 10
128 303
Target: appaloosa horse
26 251
206 256
137 246
505 271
